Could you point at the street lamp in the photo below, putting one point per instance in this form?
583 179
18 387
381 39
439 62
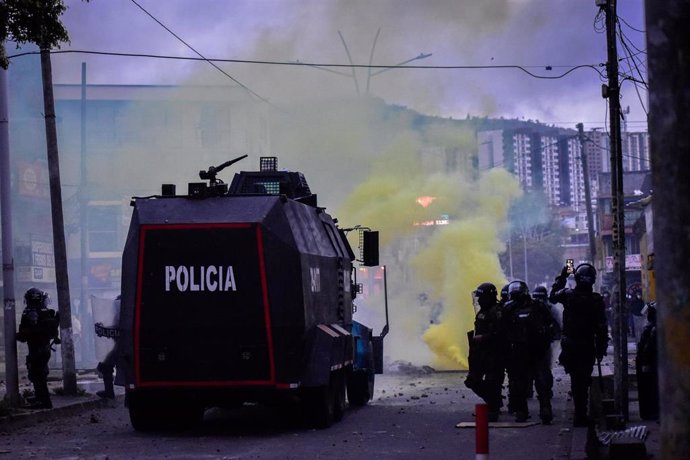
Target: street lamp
370 74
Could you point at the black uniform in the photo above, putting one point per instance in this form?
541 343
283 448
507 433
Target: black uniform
38 328
646 365
542 367
585 333
529 331
107 366
487 351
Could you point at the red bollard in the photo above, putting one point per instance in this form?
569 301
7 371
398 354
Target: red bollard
482 431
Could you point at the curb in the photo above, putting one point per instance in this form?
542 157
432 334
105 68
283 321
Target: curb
27 418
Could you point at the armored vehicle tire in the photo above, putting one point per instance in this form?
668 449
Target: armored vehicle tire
152 414
360 382
319 404
326 404
338 384
360 387
142 415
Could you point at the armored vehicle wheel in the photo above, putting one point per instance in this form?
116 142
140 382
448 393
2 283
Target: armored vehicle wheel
142 414
320 406
360 387
360 382
338 384
147 414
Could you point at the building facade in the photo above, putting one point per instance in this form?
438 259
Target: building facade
115 142
549 160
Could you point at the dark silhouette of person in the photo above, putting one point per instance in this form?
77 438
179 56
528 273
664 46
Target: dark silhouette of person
487 350
38 328
647 367
585 333
529 333
107 367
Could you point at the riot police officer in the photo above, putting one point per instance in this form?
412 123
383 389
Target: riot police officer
107 367
486 365
39 329
585 333
529 332
646 366
540 294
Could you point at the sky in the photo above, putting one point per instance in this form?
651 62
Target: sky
533 34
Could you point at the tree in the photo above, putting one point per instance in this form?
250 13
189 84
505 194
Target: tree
534 251
38 21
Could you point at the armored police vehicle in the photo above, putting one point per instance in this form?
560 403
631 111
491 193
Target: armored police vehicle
241 294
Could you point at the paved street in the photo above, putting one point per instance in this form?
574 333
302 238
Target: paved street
413 415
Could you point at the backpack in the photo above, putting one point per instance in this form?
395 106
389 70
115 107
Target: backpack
39 325
530 327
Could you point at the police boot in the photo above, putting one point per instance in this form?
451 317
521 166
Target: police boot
42 399
493 414
521 416
46 404
545 412
580 402
580 419
108 389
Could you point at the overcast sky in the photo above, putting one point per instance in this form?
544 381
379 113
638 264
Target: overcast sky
529 33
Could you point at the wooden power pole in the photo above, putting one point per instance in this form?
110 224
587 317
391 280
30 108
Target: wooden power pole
69 375
620 326
669 118
588 192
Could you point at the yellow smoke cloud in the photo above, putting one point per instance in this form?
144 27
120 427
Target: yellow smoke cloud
443 264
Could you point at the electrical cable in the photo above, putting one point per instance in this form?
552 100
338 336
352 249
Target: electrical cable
633 28
524 69
599 22
633 67
608 149
627 45
198 53
631 57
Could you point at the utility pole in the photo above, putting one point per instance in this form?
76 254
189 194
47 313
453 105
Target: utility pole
9 312
84 313
669 118
588 193
69 374
620 326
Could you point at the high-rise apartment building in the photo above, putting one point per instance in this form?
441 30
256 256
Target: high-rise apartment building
542 160
635 148
550 160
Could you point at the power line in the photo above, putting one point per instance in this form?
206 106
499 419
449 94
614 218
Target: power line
198 53
524 69
633 28
607 149
633 66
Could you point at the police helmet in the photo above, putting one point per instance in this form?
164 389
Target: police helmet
485 290
585 274
517 289
34 297
540 293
